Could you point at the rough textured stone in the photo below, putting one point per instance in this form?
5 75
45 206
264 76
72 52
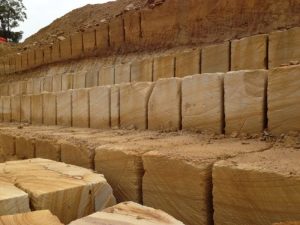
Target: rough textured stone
55 52
39 57
26 108
141 71
64 109
4 89
100 107
15 108
102 36
14 88
187 63
80 108
55 186
29 87
12 200
89 40
25 148
36 109
91 78
115 106
67 82
7 144
169 170
36 86
215 58
259 188
47 149
284 100
129 213
31 218
47 54
164 109
164 67
122 73
31 58
49 109
65 48
6 110
284 47
116 32
132 28
202 103
107 75
245 101
134 98
47 83
249 53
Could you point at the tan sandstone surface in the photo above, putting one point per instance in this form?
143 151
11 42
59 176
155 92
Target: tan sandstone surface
128 213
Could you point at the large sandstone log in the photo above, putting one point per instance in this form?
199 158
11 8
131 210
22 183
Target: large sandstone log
259 188
31 218
177 180
128 213
69 192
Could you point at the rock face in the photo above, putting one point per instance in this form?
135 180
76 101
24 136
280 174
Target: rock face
134 104
31 218
284 47
187 63
164 109
169 170
115 106
163 67
284 100
249 53
64 108
245 101
80 108
141 71
122 73
128 213
69 192
215 58
259 188
202 103
107 75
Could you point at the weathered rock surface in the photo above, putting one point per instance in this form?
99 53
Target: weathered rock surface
163 67
284 100
177 179
259 188
129 213
202 103
187 63
44 217
69 192
245 101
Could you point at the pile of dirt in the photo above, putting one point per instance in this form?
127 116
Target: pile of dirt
80 19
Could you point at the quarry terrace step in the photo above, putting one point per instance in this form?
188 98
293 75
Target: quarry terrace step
69 192
155 168
280 48
247 101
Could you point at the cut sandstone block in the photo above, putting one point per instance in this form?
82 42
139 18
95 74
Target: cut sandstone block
36 109
31 218
122 73
215 58
142 70
29 87
115 106
79 80
202 103
57 83
7 144
65 48
6 110
134 98
116 32
284 100
164 67
249 53
76 44
91 78
169 170
187 63
69 192
164 109
284 47
26 108
89 40
36 86
107 75
100 107
102 36
64 108
15 108
55 52
80 108
259 188
132 28
67 82
47 84
49 109
129 213
25 148
245 101
47 149
12 200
